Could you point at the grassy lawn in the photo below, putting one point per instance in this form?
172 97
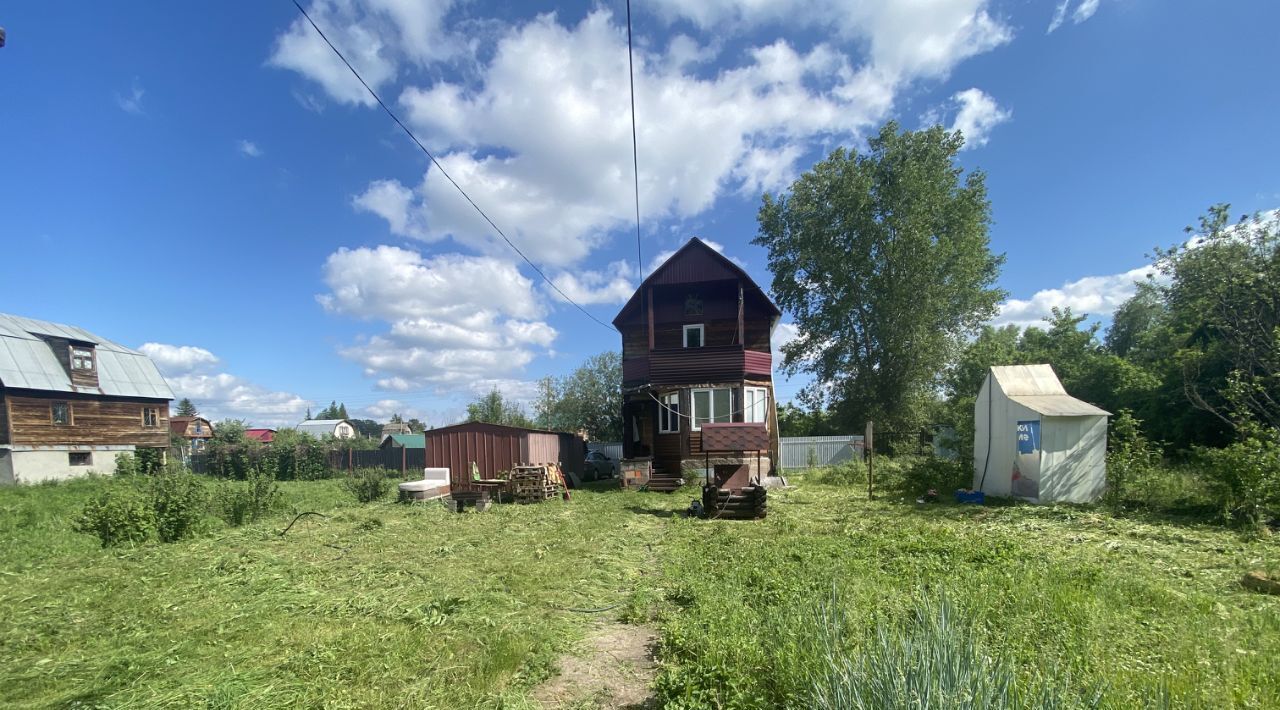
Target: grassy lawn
390 605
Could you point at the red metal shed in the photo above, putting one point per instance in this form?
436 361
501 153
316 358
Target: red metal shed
495 447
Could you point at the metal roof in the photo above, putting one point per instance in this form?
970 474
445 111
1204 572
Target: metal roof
28 362
411 441
695 262
1037 388
319 427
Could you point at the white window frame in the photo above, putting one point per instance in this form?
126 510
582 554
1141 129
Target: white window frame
669 421
711 401
753 398
702 334
82 358
150 417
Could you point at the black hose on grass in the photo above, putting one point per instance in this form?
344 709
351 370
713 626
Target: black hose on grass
300 516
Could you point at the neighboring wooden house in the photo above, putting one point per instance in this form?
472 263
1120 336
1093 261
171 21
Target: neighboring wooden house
195 431
696 350
320 428
395 428
70 401
408 441
265 436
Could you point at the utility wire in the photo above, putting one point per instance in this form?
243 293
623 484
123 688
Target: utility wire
635 153
448 177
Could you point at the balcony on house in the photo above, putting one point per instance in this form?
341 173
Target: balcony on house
690 366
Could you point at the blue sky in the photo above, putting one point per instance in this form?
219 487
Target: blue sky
205 181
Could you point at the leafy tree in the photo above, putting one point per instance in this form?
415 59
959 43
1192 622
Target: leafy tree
794 421
186 408
1223 300
368 428
546 403
884 260
493 408
229 432
416 426
591 398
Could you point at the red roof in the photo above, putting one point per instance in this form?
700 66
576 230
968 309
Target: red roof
266 436
697 262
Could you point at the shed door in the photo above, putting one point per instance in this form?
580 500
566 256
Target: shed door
1025 475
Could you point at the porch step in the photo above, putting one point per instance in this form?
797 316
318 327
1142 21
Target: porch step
664 482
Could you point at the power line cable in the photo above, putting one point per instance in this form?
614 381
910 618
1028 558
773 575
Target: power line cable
448 177
635 153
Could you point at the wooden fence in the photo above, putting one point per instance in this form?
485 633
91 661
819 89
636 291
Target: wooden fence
407 461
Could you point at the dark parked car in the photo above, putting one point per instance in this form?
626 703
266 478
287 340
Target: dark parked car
598 466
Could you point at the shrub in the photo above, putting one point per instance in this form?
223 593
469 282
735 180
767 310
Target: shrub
848 473
1246 474
931 472
368 484
126 465
149 461
178 500
1130 457
119 515
240 503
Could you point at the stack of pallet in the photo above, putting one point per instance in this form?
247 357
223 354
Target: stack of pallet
535 483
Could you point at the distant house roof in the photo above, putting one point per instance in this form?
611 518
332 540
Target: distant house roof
1037 388
178 425
320 427
28 362
266 436
409 441
696 262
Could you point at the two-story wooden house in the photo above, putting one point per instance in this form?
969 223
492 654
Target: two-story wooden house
70 401
696 351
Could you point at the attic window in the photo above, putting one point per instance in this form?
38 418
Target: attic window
150 416
693 336
81 358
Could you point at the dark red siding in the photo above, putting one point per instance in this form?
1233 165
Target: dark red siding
689 366
496 448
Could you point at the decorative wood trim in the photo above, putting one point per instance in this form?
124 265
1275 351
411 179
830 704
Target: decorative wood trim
650 318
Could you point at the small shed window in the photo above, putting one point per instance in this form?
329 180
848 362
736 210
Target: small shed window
80 458
60 413
150 416
81 358
693 336
669 413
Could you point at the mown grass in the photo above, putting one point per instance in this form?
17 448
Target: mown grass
392 605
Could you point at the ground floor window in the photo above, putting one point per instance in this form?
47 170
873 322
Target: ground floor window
669 413
755 404
712 405
80 458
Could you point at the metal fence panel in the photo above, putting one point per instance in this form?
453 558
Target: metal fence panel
612 449
826 450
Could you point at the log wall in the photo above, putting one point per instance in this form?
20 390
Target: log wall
96 421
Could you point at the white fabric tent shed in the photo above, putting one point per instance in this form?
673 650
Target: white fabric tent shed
1033 440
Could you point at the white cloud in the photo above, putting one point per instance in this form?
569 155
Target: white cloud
178 359
376 36
453 319
539 132
249 148
612 285
1084 10
1098 296
189 370
132 102
978 114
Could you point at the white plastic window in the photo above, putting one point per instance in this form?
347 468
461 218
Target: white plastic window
669 413
755 406
712 405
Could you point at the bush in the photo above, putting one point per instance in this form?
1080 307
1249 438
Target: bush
126 465
119 515
848 473
368 484
1130 457
942 475
1246 475
240 503
178 500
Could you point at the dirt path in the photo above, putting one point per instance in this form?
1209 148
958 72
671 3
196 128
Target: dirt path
614 669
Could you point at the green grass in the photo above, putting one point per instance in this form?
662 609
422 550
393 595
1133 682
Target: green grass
392 605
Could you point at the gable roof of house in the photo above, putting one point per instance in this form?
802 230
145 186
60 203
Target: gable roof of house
320 427
27 361
1038 388
695 262
409 441
263 435
178 425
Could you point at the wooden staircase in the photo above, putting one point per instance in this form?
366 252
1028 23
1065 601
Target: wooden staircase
663 482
